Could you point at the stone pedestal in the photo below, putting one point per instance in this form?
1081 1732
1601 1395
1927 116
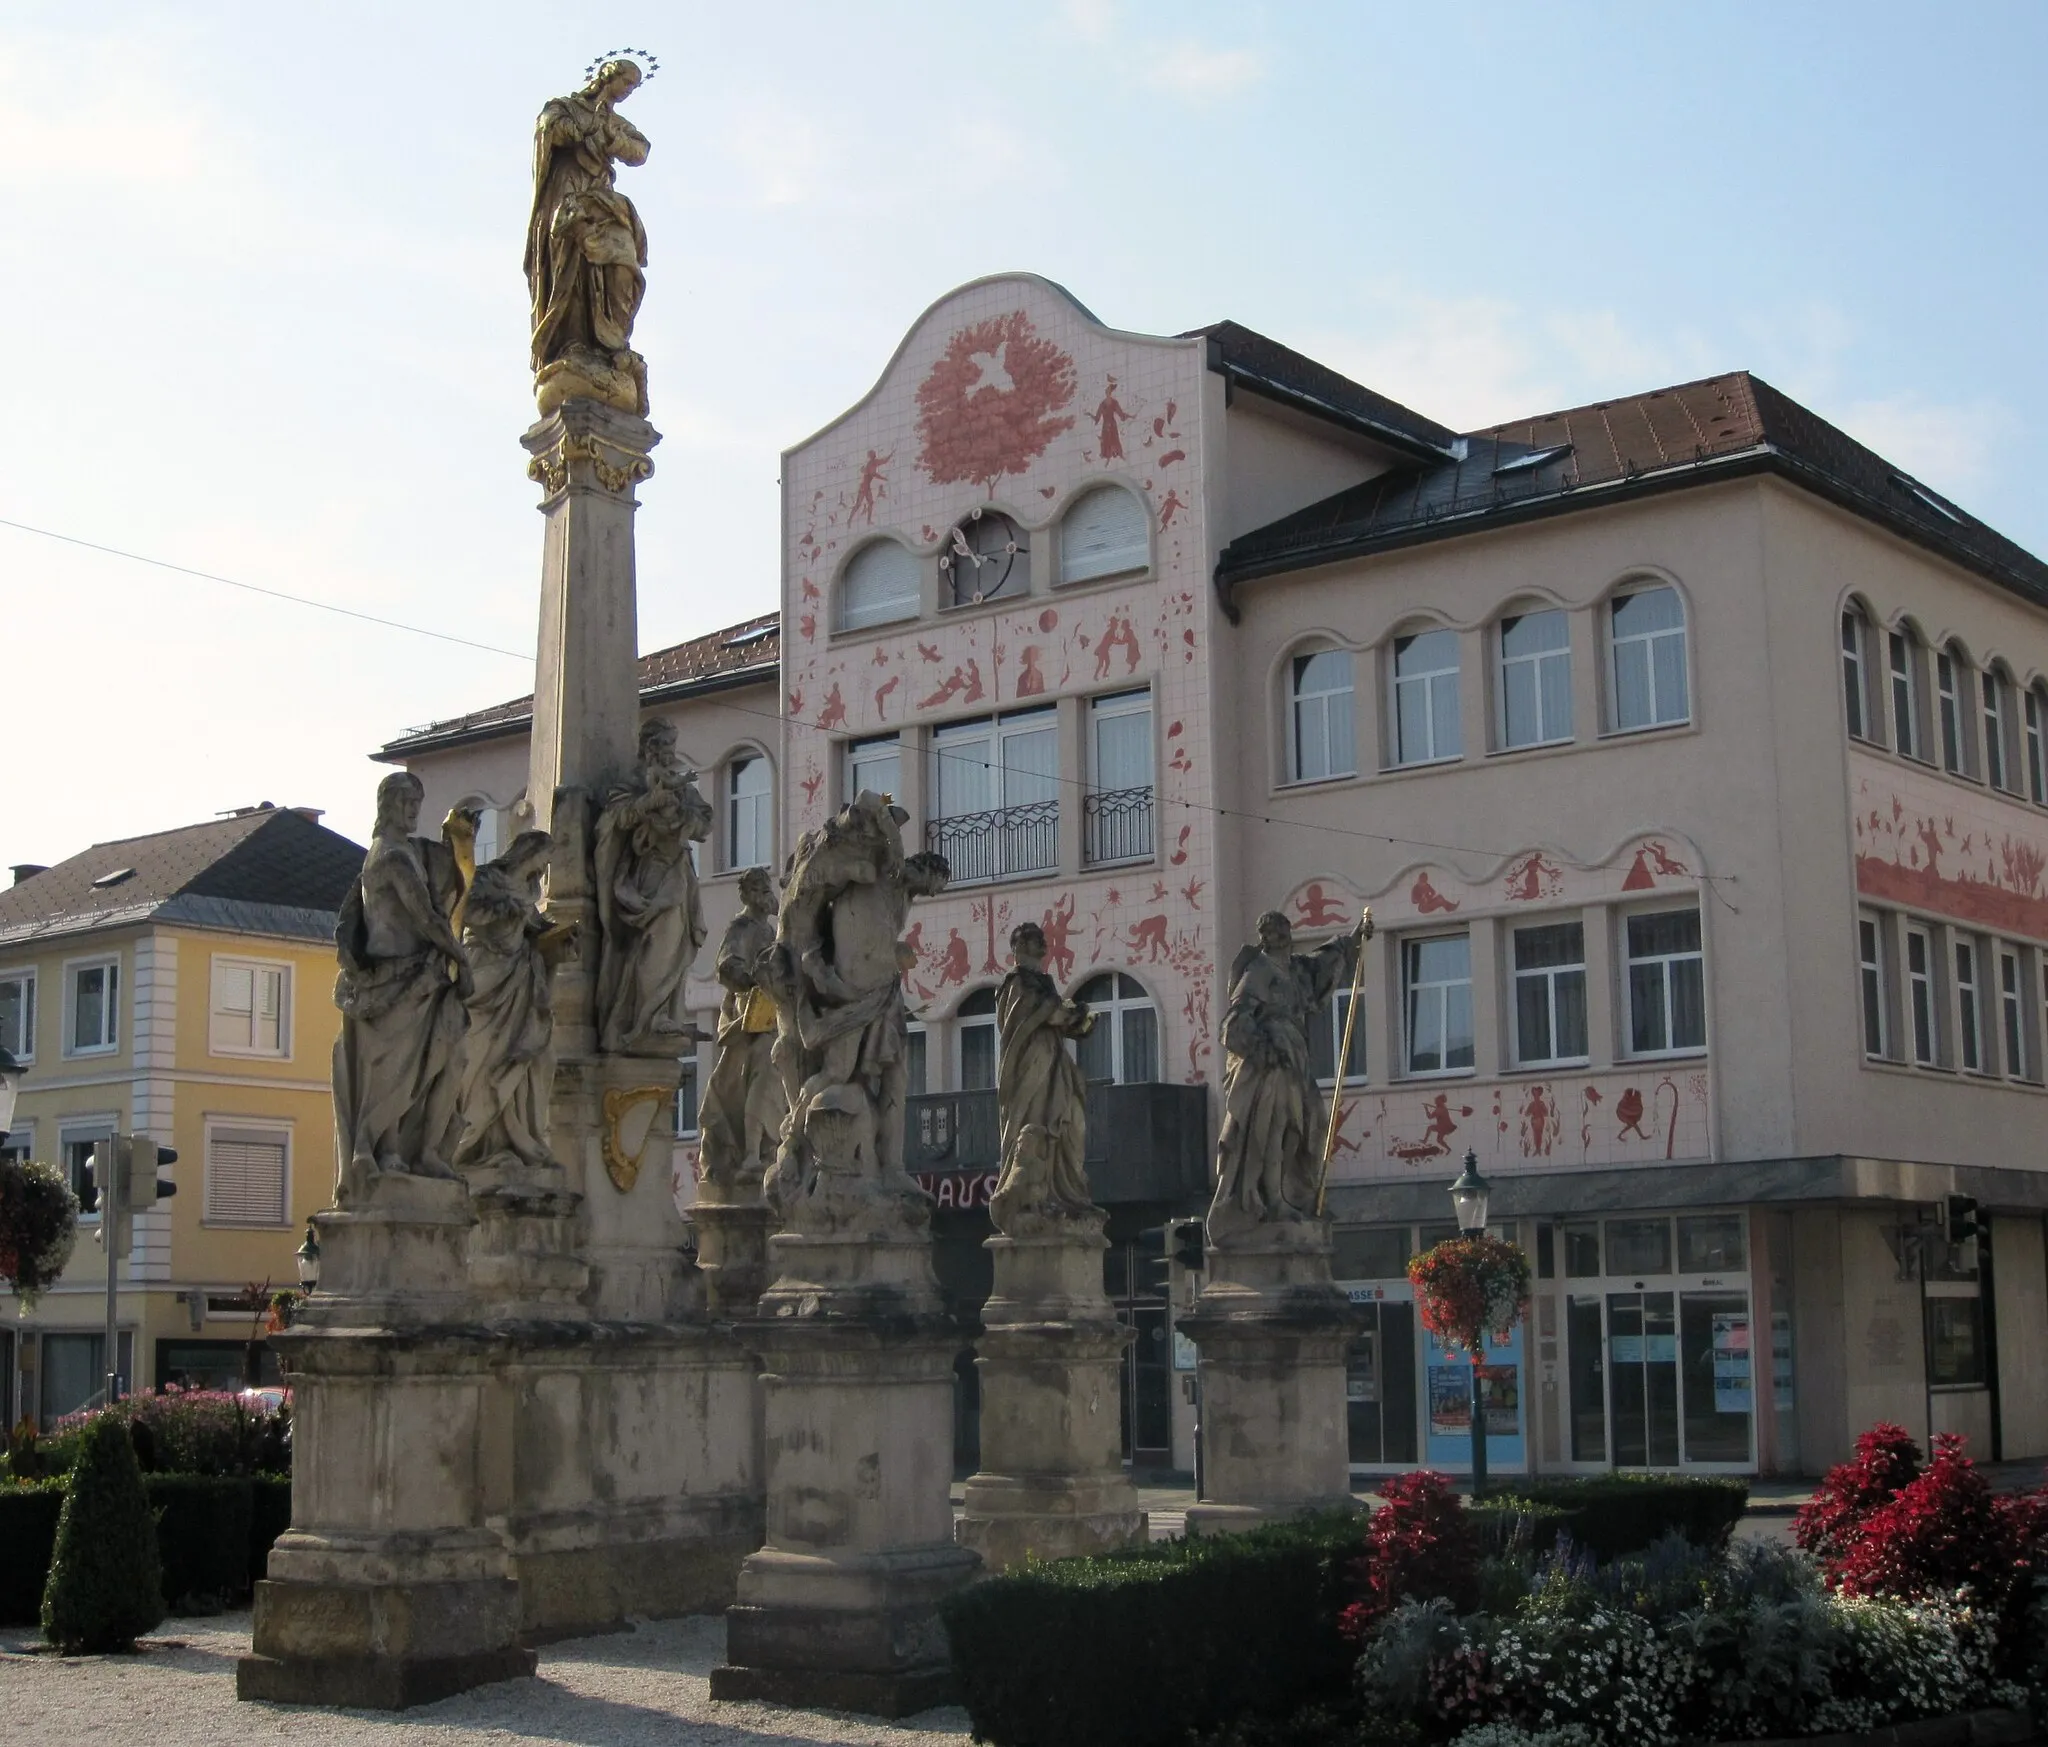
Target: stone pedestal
732 1247
840 1608
1272 1331
1051 1482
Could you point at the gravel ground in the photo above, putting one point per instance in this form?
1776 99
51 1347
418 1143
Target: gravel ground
649 1685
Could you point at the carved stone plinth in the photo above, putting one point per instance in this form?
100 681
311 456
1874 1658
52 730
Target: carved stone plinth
732 1247
522 1255
615 1135
398 1255
840 1608
389 1589
1051 1482
1272 1331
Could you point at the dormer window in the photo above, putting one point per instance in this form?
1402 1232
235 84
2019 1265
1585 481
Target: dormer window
986 557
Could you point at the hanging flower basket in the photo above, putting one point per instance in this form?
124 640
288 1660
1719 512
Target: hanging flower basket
38 1225
1470 1287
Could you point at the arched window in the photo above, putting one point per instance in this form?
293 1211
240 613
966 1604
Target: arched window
977 1028
986 557
1646 658
880 585
1319 717
489 827
2037 751
749 812
1952 709
1535 679
1856 672
1426 726
1998 761
1124 1046
1106 533
1902 667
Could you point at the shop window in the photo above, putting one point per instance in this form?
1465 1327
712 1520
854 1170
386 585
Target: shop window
977 1030
1646 655
95 993
749 813
1856 672
251 1001
1951 674
1535 679
1124 1046
1904 665
880 586
1667 1002
1326 1038
1426 725
1371 1252
1436 981
1550 994
1106 533
1955 1341
1870 957
1969 1009
986 558
246 1176
874 767
1582 1251
1320 721
1711 1243
1639 1246
1920 996
18 1014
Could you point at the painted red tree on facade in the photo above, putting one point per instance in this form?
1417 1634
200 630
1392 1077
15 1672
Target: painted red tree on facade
993 402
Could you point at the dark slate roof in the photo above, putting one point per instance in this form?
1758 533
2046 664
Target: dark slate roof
1698 432
748 653
268 870
1271 369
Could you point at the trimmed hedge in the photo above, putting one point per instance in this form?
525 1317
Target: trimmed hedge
28 1536
1612 1514
1513 1524
1139 1648
270 1514
202 1537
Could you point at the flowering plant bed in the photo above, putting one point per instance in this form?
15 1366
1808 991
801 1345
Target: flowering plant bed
1467 1288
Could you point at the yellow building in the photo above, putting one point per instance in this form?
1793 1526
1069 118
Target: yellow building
178 986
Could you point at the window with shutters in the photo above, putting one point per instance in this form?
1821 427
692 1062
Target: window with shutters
250 1008
879 586
247 1171
1106 533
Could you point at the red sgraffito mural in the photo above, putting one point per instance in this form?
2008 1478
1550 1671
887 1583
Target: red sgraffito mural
874 485
1534 876
1968 856
1315 907
1109 418
1652 863
993 403
1030 674
1428 901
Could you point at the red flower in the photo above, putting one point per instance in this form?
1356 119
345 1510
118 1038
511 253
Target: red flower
1469 1287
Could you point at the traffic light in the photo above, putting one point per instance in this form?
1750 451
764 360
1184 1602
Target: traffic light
124 1170
1962 1221
142 1187
1184 1244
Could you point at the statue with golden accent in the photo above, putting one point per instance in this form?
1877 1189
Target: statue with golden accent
741 1115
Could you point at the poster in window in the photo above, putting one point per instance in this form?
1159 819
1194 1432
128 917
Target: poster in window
1731 1362
1781 1359
1450 1403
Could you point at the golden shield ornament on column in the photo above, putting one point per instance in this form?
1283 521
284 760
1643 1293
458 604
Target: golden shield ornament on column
629 1123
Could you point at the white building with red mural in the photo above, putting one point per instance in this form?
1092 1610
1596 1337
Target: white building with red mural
1689 755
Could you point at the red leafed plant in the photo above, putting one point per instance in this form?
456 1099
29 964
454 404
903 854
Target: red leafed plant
1886 1460
1940 1531
1419 1543
1470 1287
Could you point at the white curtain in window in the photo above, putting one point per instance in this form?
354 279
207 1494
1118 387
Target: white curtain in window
879 585
1104 534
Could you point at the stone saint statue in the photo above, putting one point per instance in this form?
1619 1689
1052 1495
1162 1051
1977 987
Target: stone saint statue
404 978
586 253
649 911
842 1043
1269 1152
1041 1095
743 1106
508 1058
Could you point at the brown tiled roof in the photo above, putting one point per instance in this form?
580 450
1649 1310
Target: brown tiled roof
269 870
1591 455
742 653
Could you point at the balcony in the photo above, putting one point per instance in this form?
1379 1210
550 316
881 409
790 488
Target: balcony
1146 1142
1118 826
1005 844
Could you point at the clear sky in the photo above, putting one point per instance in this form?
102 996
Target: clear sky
260 287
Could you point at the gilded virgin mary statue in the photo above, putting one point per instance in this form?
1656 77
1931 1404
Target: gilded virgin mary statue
586 251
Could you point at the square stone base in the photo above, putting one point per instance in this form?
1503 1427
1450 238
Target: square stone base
817 1689
375 1683
1009 1518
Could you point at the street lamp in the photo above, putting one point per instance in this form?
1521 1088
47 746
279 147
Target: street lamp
10 1088
308 1258
1469 1195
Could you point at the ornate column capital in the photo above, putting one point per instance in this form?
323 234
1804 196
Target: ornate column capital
586 446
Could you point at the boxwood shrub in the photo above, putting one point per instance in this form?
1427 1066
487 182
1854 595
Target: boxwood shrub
270 1514
28 1535
202 1538
1612 1514
1142 1647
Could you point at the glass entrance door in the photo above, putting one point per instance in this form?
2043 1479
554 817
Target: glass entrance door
1642 1378
1133 1276
1379 1387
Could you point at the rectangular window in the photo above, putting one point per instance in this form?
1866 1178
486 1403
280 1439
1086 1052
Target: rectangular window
1969 1017
75 1143
750 820
1920 994
1646 647
1994 731
1855 695
1667 999
917 1068
95 999
1119 801
18 1014
246 1173
1955 1341
874 766
1949 706
250 1003
2037 754
1326 1037
1582 1251
686 1099
1639 1246
2012 1014
1436 978
1321 743
1710 1243
1535 679
1426 726
1870 954
1373 1252
1550 994
995 785
20 1146
1905 702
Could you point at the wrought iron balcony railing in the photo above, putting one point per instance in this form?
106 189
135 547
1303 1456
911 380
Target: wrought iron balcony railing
998 845
1118 826
1146 1142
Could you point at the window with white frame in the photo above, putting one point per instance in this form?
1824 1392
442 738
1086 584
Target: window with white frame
247 1175
1920 996
874 766
917 1061
1997 768
1118 808
75 1142
2012 1013
995 789
750 813
1426 725
1951 710
250 1009
20 1147
1436 982
18 1013
94 996
1667 992
687 1120
1870 961
1856 672
1646 659
985 558
1535 679
1326 1038
1550 994
1106 533
977 1038
1905 690
1124 1045
880 585
2037 752
1320 742
1969 1012
489 827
